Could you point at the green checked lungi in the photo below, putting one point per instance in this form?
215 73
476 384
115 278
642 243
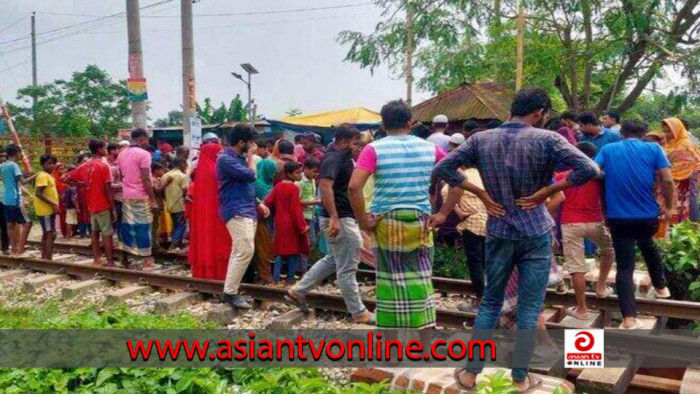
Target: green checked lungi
403 248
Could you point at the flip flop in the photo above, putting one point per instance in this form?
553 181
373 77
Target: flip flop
291 298
608 292
571 311
456 374
637 326
562 288
532 384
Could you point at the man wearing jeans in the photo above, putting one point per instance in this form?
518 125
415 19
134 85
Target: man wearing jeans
339 225
516 161
631 167
238 207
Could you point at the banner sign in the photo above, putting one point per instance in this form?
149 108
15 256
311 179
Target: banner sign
195 132
192 92
136 89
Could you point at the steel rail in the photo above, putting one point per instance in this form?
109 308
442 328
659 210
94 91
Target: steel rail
330 302
660 308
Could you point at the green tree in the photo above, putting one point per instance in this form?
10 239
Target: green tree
593 54
174 118
90 103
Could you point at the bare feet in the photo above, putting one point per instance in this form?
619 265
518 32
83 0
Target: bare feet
149 264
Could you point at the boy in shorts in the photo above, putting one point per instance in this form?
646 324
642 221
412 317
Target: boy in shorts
18 223
96 175
46 204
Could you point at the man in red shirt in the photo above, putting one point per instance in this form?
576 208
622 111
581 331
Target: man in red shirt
581 218
96 175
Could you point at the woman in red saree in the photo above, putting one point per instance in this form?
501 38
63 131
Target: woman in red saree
210 243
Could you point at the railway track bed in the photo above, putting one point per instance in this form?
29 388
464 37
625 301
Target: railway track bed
171 289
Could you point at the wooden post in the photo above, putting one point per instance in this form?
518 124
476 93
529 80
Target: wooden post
519 50
409 53
13 134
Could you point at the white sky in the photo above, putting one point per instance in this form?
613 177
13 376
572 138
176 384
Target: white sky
301 65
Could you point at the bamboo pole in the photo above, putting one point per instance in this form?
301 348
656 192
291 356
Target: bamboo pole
13 134
519 48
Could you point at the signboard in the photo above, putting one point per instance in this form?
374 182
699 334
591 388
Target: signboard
136 89
195 132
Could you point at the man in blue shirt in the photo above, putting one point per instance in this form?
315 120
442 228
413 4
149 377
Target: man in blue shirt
631 167
591 131
611 121
236 173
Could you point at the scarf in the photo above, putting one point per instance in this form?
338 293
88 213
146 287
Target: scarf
682 152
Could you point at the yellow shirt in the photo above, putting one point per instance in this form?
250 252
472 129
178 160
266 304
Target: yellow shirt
44 179
174 195
475 222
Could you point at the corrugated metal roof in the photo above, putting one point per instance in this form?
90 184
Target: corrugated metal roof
483 100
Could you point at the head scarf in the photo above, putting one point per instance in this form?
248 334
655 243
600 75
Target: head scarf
569 134
682 152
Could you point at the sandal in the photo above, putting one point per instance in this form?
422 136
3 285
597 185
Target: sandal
571 311
297 300
457 374
638 325
532 384
607 293
562 288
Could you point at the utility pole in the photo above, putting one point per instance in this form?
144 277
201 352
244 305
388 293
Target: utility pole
519 49
409 53
189 98
34 71
133 20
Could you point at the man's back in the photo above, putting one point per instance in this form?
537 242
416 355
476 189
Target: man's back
131 161
441 140
515 161
630 168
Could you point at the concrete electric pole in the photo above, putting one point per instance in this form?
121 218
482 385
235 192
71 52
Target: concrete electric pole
34 70
133 20
189 97
409 53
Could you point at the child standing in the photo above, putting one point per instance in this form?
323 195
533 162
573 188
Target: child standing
72 210
291 228
307 194
175 185
46 204
96 176
160 224
18 223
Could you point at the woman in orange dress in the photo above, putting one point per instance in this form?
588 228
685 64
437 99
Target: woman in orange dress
684 155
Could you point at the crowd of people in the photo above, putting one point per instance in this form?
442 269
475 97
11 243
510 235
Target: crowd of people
507 192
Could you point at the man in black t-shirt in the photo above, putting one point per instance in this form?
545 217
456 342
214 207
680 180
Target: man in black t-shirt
340 227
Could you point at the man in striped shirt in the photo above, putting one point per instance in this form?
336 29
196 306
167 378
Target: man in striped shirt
516 162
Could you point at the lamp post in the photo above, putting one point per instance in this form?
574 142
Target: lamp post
250 70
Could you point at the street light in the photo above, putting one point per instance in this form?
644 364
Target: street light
250 70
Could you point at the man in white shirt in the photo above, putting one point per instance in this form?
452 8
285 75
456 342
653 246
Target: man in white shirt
442 141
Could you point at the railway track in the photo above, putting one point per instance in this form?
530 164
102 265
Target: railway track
659 308
651 381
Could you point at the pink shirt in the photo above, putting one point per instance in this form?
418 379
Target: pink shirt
130 163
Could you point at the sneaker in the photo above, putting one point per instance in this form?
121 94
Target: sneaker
236 301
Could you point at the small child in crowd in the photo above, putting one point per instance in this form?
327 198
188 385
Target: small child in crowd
175 186
309 199
159 224
290 227
46 204
72 210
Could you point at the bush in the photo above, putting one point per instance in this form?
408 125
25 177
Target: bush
450 262
680 254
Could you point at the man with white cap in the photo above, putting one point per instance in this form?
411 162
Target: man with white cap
438 137
456 140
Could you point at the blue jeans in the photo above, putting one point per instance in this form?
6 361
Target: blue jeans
179 227
532 257
291 267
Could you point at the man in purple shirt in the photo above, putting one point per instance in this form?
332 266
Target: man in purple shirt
516 162
238 208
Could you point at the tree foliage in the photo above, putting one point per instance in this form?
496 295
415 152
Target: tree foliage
593 54
234 112
90 103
